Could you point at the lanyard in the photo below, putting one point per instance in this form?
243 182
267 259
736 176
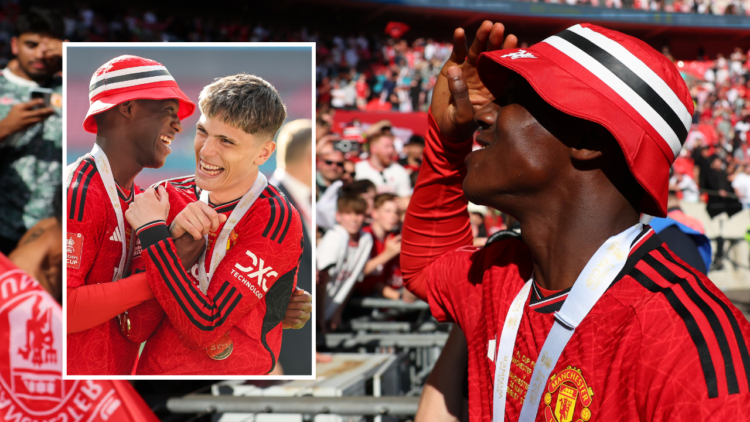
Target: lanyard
594 280
102 165
247 201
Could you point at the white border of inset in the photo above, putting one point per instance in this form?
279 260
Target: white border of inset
312 322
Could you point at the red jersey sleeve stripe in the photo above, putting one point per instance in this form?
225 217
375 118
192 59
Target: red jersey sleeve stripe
78 190
707 365
272 218
708 313
170 284
736 331
217 312
282 214
288 220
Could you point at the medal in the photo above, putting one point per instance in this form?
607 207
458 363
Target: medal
124 320
221 349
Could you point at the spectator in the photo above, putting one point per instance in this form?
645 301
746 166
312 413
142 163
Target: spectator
387 175
413 150
330 166
366 190
383 271
349 172
39 251
341 258
684 183
30 131
741 185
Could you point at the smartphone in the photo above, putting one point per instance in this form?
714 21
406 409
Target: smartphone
43 93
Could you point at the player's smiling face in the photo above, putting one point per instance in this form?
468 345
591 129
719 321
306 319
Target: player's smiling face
155 124
227 158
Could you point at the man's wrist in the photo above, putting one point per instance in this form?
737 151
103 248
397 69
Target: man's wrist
152 232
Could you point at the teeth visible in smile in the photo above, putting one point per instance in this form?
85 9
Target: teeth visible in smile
210 169
166 139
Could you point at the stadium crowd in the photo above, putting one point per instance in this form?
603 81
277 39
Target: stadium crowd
704 7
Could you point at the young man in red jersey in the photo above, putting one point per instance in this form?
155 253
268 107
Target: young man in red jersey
135 120
588 316
224 316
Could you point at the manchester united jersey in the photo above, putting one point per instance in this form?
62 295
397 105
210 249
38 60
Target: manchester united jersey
663 343
94 249
246 299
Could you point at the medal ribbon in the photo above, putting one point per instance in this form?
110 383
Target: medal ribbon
247 201
102 165
594 280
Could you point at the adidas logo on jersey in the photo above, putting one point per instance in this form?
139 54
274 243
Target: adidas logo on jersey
116 235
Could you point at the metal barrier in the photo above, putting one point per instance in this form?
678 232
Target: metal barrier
365 406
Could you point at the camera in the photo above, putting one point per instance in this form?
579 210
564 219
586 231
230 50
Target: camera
346 146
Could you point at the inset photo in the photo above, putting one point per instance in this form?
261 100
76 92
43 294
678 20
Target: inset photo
187 210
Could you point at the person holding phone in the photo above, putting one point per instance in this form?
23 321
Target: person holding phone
30 125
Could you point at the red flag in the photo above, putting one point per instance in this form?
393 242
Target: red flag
31 383
396 29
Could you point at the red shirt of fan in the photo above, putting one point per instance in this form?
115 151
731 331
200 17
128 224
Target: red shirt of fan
388 274
663 343
246 299
94 246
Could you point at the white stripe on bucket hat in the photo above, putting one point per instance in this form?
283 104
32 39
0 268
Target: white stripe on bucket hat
125 78
625 74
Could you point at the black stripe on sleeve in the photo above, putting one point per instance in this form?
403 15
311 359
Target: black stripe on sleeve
271 219
130 77
282 214
288 221
75 186
185 310
707 365
634 81
84 190
741 342
219 312
710 315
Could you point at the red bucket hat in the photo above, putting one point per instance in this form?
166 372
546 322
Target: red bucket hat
614 80
127 78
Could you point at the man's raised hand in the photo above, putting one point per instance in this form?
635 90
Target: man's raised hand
148 207
198 219
458 90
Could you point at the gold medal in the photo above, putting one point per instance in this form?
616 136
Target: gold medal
124 320
221 349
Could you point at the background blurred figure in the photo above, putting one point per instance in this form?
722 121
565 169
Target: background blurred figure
413 154
293 177
341 258
330 166
30 129
380 168
39 252
383 270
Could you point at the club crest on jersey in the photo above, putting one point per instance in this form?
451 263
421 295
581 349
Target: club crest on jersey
564 391
520 54
257 270
232 239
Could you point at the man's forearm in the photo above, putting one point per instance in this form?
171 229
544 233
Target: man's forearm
437 220
94 304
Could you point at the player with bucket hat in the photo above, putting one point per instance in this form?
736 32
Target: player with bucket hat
136 111
587 316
